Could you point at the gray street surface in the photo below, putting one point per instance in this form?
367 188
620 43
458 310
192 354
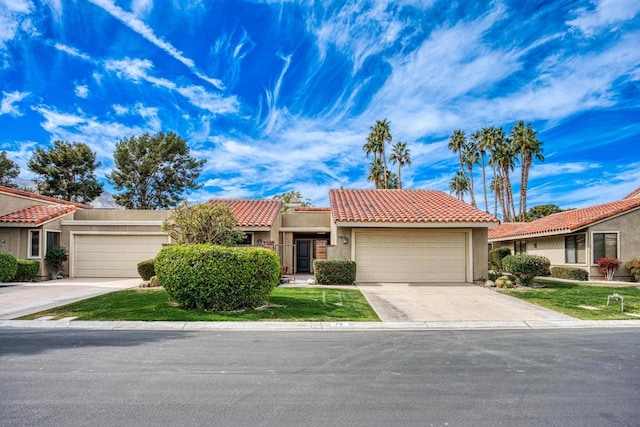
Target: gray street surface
585 377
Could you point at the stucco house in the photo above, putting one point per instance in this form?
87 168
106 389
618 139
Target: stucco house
393 235
579 238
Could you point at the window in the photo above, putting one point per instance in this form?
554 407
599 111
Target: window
574 249
605 245
248 239
53 240
34 244
519 247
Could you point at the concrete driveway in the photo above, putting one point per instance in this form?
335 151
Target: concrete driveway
398 302
20 299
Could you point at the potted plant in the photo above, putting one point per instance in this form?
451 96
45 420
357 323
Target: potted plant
54 260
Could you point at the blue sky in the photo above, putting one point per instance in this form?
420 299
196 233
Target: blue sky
280 95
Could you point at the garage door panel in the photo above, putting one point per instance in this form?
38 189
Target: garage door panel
411 256
114 255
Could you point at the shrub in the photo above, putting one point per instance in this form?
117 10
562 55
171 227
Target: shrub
496 256
570 273
609 266
334 271
526 267
217 278
146 270
27 270
8 267
493 275
634 267
504 282
55 259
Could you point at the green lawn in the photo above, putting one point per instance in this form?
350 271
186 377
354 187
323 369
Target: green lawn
286 304
587 302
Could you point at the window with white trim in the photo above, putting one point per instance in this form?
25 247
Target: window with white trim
604 245
575 249
34 243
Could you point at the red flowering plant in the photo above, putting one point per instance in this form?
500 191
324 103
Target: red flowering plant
608 266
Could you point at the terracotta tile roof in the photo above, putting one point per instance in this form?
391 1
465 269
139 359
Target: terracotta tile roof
36 215
634 193
563 222
408 206
35 196
252 213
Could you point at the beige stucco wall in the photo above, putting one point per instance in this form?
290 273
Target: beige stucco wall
480 254
12 203
628 226
306 219
120 215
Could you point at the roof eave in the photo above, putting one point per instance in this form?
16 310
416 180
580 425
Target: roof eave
397 224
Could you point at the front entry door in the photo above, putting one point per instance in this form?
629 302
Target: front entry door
303 256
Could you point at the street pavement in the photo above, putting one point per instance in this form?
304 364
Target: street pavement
568 377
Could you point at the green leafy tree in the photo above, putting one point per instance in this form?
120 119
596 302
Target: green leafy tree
66 171
292 197
203 223
541 211
9 170
154 171
401 156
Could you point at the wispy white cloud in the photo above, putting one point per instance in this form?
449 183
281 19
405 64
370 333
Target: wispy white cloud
141 7
82 91
605 14
139 69
275 114
71 51
13 14
135 24
9 101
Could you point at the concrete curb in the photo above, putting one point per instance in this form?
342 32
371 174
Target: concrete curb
316 326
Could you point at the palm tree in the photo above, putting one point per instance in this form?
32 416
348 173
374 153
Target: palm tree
457 144
459 185
382 134
371 147
497 187
505 158
401 156
525 143
376 172
471 157
485 140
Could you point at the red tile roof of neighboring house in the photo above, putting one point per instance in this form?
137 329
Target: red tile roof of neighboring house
37 215
564 222
404 206
252 213
35 196
634 193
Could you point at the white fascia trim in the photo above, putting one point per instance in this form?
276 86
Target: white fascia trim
356 224
255 228
110 223
306 229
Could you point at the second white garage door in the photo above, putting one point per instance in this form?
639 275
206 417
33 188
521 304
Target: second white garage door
411 256
113 255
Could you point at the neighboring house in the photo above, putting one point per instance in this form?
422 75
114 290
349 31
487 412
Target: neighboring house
409 235
579 238
393 235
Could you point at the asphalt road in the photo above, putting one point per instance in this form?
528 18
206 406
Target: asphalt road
587 377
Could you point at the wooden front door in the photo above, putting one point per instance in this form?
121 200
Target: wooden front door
303 256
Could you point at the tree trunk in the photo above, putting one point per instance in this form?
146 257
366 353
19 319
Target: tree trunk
484 186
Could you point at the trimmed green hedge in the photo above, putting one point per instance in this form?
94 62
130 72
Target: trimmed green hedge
146 269
526 267
495 257
27 270
8 267
334 271
570 273
217 278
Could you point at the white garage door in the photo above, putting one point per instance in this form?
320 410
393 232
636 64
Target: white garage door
114 255
411 256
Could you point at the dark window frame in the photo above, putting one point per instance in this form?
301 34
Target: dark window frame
574 243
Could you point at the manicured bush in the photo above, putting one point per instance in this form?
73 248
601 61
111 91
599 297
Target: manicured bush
54 259
27 270
146 270
609 266
334 271
504 282
526 267
217 278
495 257
8 267
634 267
570 273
